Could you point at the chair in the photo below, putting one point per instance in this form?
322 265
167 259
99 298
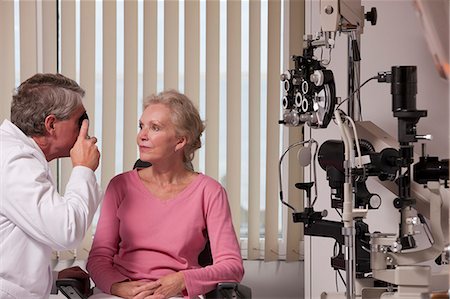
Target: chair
77 286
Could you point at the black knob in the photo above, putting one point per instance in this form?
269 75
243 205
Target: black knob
398 203
372 16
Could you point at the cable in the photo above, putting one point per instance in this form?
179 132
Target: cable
342 278
323 61
426 228
348 98
355 135
279 170
315 171
335 272
357 67
339 213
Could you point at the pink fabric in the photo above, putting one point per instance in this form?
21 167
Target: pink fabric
141 237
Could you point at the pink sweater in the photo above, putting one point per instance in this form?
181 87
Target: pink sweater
139 236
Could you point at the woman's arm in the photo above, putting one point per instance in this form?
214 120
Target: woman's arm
100 263
228 265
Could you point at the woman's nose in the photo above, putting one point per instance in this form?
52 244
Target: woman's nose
142 135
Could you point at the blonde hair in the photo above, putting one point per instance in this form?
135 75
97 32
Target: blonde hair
185 118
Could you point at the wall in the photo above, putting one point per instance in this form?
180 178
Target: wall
397 39
274 280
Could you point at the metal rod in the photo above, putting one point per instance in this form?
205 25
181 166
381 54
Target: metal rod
349 237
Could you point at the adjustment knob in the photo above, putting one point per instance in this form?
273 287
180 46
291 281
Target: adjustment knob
372 16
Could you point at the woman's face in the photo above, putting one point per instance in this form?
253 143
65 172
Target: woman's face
157 138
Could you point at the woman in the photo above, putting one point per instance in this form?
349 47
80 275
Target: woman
155 221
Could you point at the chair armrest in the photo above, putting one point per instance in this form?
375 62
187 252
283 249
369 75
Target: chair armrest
227 289
74 283
71 288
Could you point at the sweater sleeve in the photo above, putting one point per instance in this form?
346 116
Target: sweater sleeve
100 264
227 261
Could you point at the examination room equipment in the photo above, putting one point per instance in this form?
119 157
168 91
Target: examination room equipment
376 264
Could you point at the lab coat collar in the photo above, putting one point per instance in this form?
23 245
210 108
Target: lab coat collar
11 129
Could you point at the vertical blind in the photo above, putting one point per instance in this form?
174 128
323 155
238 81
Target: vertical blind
227 56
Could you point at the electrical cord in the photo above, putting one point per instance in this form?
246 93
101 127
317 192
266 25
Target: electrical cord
336 244
357 67
279 171
427 228
355 91
323 61
314 172
355 137
342 278
310 141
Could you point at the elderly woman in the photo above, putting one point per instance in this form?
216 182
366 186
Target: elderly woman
155 221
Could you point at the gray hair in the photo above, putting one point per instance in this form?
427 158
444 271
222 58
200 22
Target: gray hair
43 95
185 118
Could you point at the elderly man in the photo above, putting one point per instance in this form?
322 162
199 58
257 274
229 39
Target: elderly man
48 121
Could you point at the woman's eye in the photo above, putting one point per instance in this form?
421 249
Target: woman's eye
155 128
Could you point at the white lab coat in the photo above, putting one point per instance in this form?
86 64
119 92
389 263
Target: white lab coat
34 218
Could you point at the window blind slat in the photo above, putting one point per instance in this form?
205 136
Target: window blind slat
49 44
68 39
87 81
28 40
109 92
272 154
49 56
150 47
295 196
171 44
192 56
87 58
7 54
67 67
234 110
130 84
212 89
254 130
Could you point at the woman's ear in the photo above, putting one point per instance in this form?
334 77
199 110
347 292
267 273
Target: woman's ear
49 124
182 141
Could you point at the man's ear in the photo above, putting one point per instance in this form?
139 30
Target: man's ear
49 124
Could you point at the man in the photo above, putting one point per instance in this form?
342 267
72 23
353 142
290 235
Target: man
48 121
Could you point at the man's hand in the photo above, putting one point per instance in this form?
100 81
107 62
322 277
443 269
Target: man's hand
171 285
84 152
135 289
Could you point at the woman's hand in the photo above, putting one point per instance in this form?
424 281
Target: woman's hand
135 289
170 285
